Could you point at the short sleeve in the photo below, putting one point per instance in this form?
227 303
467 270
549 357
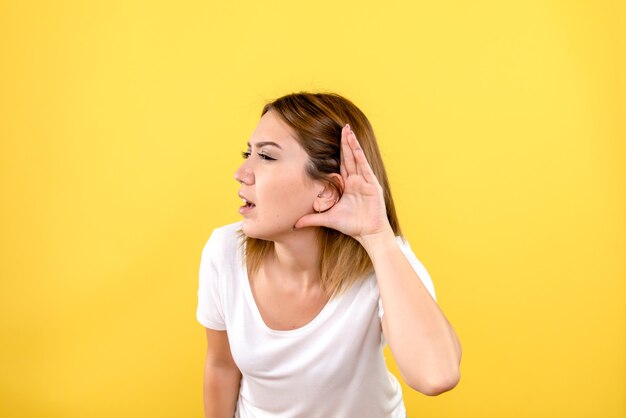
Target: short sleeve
210 311
419 268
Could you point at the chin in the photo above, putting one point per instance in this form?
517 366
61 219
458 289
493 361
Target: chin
267 234
251 232
246 230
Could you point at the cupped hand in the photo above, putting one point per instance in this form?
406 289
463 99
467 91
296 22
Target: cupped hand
360 212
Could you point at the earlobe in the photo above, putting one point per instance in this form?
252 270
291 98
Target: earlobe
323 204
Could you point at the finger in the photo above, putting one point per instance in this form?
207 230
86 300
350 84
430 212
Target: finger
314 219
363 167
346 151
342 165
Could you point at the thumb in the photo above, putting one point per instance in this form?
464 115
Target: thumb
313 219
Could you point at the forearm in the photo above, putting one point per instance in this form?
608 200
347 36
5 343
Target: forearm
420 337
221 390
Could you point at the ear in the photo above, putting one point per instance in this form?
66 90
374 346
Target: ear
330 194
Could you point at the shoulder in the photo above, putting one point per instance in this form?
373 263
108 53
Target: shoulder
224 242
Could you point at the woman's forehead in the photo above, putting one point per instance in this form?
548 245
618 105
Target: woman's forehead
272 131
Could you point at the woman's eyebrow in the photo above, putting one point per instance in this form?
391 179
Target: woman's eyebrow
264 143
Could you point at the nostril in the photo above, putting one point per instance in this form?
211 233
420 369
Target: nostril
243 178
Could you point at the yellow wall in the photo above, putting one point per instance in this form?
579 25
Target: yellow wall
121 122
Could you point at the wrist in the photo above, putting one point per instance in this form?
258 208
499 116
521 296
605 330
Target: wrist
377 241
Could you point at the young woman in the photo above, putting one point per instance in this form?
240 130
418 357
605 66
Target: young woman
299 298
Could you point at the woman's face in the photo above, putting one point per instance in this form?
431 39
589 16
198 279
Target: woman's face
273 181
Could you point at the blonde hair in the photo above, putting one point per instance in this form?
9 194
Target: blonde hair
317 120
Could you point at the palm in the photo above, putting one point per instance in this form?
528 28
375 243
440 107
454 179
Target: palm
361 209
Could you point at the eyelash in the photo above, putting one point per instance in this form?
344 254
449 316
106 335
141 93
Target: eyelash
246 155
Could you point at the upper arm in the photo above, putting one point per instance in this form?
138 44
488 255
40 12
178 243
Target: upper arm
222 377
218 350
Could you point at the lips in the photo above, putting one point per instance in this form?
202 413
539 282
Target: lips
247 205
246 202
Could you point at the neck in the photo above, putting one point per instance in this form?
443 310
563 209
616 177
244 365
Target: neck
296 258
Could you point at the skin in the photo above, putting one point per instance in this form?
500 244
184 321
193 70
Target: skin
282 193
286 289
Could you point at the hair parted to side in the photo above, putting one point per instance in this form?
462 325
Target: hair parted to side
317 120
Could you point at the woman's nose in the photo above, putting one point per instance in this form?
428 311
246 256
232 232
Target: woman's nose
243 175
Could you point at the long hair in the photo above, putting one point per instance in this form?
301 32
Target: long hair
317 120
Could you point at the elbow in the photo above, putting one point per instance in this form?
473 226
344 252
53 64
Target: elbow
436 385
440 386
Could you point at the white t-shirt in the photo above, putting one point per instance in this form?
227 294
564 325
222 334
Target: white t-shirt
331 367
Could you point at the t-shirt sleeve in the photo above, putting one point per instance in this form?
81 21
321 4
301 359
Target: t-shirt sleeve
419 268
210 311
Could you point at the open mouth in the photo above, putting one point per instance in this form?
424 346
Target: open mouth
248 204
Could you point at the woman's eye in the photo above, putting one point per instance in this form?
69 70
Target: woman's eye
247 154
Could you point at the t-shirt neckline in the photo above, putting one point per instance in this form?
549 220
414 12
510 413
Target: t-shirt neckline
319 318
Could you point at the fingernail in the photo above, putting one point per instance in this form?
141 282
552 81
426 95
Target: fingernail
348 126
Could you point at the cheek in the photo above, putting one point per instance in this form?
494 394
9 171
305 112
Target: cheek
289 196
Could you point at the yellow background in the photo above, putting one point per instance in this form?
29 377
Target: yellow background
121 123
